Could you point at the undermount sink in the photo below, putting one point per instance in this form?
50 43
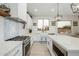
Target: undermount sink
51 33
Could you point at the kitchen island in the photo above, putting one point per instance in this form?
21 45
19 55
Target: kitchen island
10 48
65 45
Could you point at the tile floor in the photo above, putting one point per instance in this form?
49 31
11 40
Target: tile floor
39 49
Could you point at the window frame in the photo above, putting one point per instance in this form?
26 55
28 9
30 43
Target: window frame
43 23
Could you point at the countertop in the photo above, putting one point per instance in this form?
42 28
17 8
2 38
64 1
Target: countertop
8 46
67 42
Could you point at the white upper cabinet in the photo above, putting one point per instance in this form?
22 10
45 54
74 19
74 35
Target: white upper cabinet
22 11
29 22
18 10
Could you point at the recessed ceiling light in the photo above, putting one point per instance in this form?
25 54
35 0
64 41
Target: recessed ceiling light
52 10
35 10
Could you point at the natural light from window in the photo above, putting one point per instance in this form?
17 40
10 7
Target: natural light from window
40 24
43 24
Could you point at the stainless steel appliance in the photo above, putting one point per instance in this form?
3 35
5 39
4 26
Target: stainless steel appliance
25 43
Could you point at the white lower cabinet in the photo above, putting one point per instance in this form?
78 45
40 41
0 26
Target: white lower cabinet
49 45
36 37
43 36
17 51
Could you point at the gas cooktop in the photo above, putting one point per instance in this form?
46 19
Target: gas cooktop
18 38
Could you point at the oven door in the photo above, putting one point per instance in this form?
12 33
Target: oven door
26 48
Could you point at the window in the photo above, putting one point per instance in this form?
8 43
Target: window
64 26
40 24
43 24
46 24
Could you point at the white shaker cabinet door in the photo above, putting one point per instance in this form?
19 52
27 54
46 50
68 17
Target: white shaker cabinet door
50 45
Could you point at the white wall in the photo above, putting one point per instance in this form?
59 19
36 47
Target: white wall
1 28
53 29
10 29
19 10
22 32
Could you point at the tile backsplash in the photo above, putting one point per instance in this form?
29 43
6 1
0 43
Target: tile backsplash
10 29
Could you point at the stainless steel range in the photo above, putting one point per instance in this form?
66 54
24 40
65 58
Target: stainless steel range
25 44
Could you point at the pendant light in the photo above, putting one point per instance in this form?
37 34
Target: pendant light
58 17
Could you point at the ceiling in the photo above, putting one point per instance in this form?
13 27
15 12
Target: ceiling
44 9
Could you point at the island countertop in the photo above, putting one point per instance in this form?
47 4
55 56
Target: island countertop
8 46
67 42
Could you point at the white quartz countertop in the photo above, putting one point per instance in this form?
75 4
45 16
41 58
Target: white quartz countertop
67 42
8 46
